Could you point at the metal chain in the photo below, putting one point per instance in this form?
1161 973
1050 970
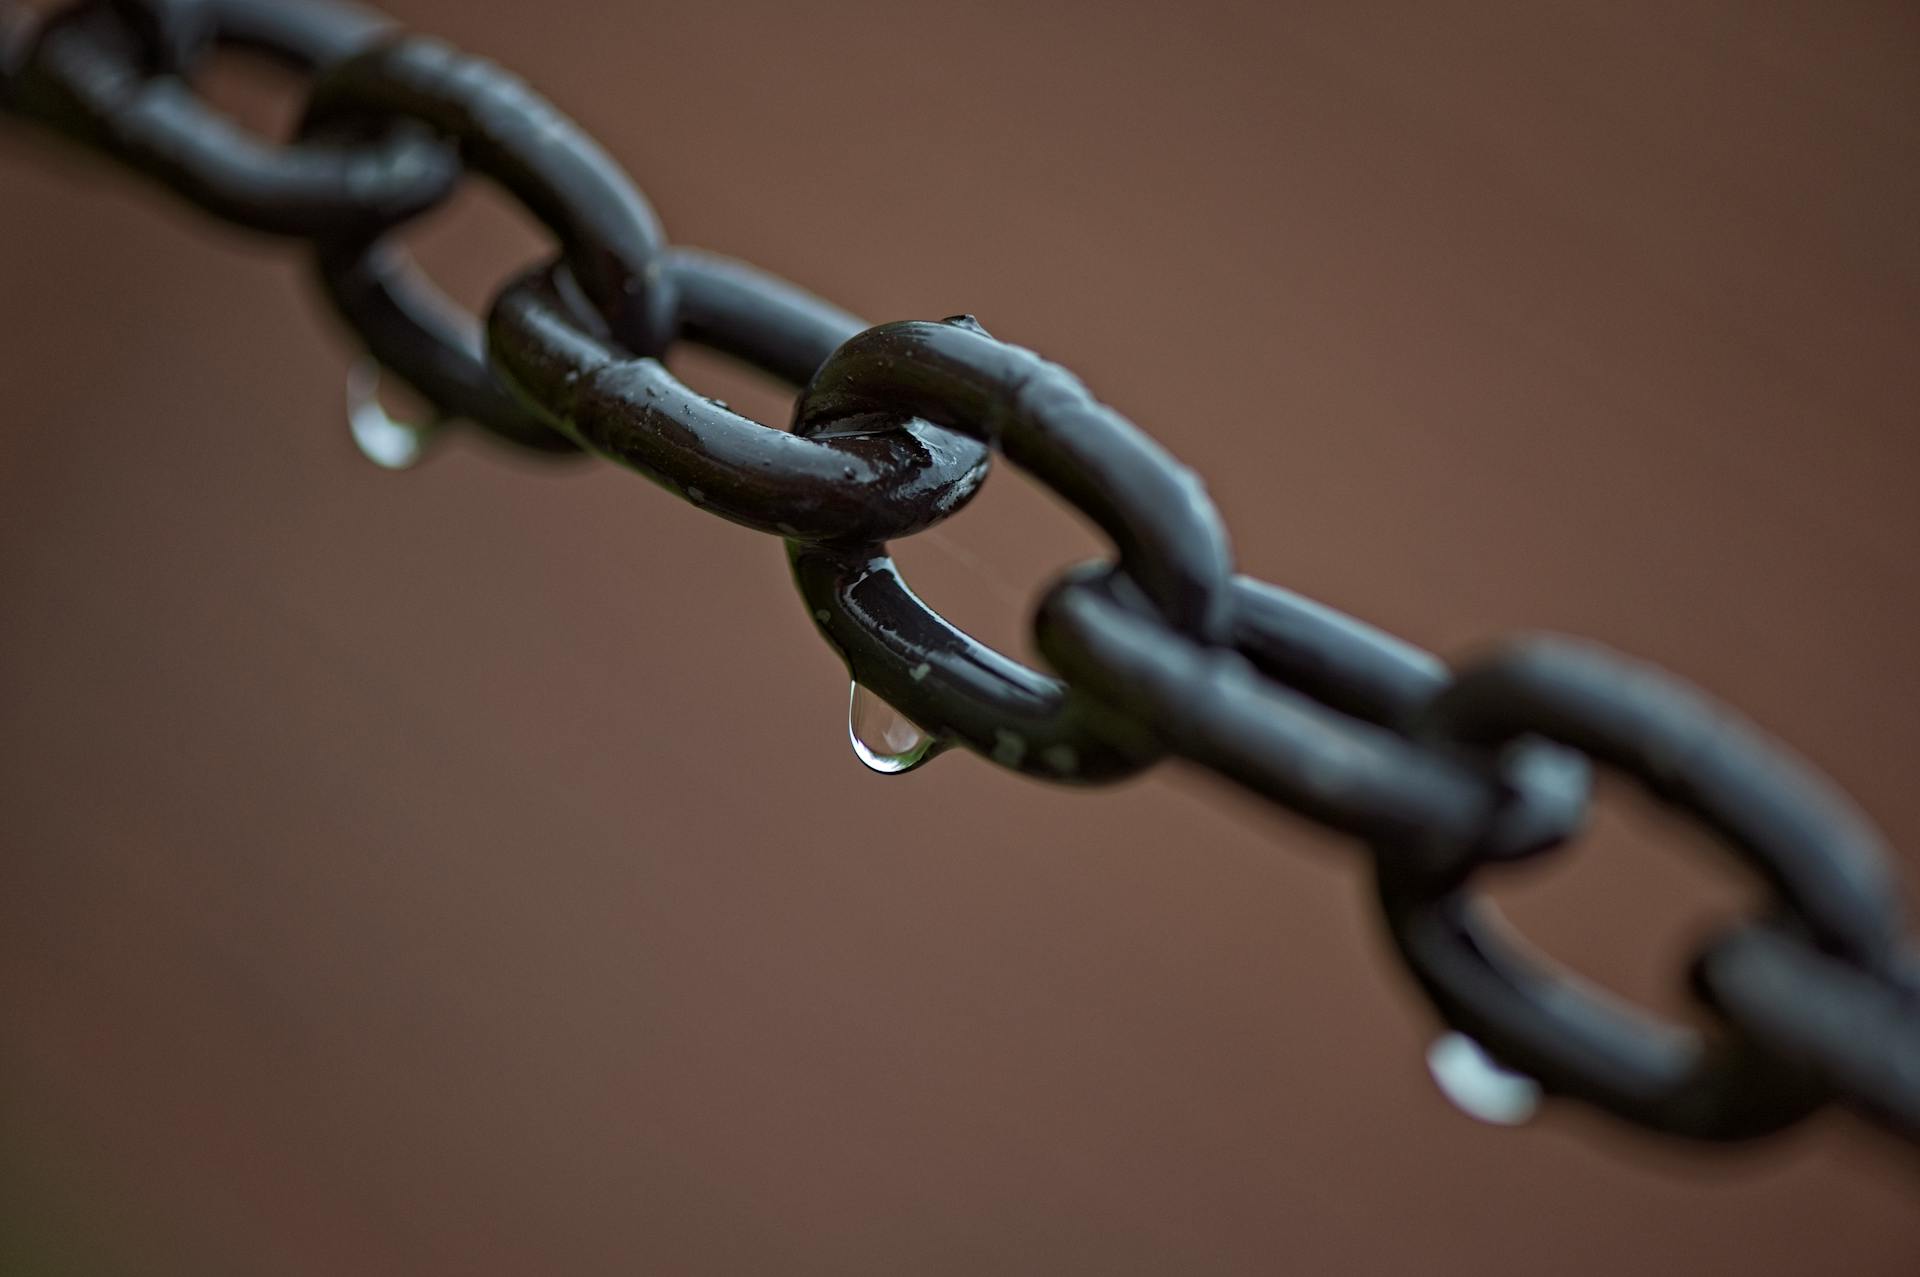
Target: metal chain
1439 772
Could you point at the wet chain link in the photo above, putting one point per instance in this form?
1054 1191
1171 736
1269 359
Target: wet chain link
1440 772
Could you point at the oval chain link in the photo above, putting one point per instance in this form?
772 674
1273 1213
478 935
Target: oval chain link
1440 773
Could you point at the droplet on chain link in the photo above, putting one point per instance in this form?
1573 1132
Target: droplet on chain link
883 738
383 439
1478 1085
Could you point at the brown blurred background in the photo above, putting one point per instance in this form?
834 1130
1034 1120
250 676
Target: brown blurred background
465 871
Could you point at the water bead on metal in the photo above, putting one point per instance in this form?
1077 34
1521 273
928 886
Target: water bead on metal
955 688
1042 419
1166 651
1823 863
609 236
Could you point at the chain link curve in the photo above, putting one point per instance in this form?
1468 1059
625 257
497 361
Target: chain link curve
1316 712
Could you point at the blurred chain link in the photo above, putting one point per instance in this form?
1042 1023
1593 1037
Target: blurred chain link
1439 772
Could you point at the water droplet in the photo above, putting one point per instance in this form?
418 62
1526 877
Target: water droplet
1478 1085
383 439
884 738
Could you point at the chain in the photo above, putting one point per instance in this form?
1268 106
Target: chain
1440 772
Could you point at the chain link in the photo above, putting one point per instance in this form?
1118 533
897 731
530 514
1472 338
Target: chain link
1440 773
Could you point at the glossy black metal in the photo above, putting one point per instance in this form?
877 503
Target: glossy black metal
116 84
1044 420
1823 863
436 347
1341 662
1577 1044
608 233
1165 652
761 319
1169 536
884 483
955 687
1859 1032
1444 806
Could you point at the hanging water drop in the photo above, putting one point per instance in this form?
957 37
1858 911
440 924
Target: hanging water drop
884 738
382 439
1478 1085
